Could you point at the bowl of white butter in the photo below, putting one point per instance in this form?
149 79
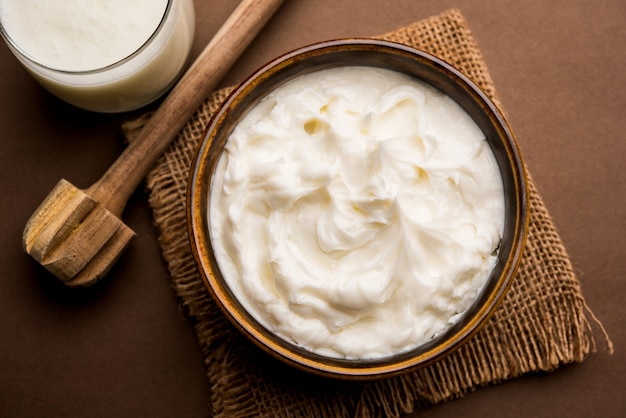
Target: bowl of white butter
358 208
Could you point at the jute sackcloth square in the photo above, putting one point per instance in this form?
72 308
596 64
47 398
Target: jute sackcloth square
542 323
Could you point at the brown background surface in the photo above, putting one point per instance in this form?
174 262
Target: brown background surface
124 348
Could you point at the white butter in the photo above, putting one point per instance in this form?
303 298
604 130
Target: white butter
74 48
356 212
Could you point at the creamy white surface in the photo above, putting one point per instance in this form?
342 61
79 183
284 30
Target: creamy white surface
356 212
79 35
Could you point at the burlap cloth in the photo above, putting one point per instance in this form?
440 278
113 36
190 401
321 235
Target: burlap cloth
542 323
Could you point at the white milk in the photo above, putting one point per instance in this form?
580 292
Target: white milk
103 55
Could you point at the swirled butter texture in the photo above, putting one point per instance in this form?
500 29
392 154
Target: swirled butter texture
356 212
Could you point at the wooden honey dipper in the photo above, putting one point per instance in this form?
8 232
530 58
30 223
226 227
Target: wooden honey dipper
78 234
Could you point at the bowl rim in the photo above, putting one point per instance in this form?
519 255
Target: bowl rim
204 161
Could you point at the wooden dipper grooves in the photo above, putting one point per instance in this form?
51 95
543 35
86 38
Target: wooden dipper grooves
78 234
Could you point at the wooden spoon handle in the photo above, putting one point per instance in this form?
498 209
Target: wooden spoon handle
116 186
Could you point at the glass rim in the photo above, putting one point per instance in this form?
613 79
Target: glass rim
23 54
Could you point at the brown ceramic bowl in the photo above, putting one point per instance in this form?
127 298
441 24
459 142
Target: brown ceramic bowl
406 60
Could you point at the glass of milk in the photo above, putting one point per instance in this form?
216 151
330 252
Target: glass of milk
104 55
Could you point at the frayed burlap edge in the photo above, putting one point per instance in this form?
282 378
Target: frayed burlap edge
542 323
